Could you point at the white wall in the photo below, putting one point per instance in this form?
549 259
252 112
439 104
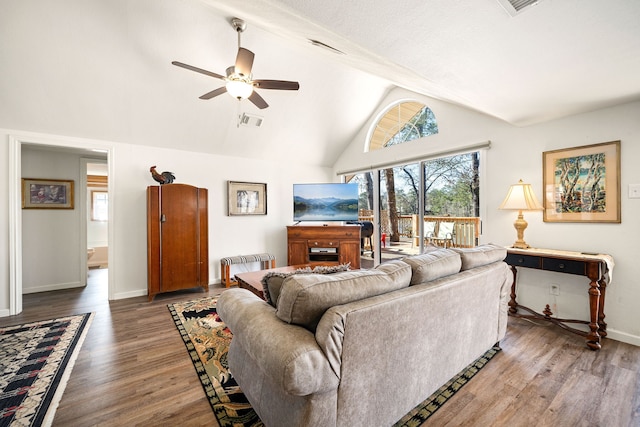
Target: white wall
129 178
228 235
51 244
102 69
517 153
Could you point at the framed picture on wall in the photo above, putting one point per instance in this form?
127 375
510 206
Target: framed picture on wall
40 193
582 184
247 198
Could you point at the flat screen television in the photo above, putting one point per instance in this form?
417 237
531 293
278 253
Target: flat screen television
325 202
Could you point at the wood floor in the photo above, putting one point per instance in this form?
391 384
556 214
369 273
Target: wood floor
133 370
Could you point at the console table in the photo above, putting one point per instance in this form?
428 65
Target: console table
597 267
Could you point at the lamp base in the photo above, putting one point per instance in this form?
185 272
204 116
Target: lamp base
520 225
521 245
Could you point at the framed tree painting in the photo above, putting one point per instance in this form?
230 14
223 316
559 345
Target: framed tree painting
582 184
247 198
47 194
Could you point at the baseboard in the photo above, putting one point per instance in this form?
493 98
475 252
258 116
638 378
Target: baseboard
623 337
5 312
131 294
52 287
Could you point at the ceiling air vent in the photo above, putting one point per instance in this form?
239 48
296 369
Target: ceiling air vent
513 7
325 46
249 120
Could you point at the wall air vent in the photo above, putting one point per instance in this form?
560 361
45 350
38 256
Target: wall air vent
249 120
514 7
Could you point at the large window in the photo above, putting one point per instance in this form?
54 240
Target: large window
447 214
434 201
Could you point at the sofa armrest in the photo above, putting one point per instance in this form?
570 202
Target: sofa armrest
288 354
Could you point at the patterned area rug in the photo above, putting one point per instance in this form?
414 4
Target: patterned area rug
35 363
207 340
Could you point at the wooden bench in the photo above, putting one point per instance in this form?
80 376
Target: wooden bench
266 260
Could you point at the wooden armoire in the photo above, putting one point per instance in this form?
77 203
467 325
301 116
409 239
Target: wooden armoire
177 238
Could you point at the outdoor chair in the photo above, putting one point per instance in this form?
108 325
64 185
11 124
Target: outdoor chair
444 235
430 229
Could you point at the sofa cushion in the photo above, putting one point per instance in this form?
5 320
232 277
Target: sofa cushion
433 265
397 270
305 297
481 255
272 281
430 247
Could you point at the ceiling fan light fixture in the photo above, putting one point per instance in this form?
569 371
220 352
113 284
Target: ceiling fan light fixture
239 89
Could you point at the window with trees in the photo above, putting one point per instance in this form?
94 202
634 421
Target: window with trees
402 122
413 197
450 194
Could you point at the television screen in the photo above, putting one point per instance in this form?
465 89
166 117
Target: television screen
325 202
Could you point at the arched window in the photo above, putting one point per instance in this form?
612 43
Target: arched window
404 121
435 200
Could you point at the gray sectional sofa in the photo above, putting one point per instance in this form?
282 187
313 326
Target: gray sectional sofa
364 347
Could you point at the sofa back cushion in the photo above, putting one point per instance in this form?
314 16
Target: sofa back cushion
481 255
305 297
433 265
272 281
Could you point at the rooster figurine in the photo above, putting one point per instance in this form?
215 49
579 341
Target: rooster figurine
163 178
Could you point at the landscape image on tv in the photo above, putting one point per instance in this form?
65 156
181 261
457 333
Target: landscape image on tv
325 202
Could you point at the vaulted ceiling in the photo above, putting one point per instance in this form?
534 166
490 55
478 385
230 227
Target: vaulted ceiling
551 59
102 68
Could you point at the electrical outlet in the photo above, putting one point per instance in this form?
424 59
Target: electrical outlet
554 289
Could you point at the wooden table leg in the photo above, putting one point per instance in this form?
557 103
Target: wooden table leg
593 338
602 325
513 305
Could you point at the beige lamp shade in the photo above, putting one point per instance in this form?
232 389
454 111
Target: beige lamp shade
521 198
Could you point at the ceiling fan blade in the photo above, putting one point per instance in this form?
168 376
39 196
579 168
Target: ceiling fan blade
244 61
213 93
197 70
276 84
258 100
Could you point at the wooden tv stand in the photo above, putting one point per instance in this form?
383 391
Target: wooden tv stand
323 245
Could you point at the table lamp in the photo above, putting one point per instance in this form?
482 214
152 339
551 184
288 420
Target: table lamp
521 198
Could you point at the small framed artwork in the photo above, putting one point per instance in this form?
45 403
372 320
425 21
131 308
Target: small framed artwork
247 198
582 184
47 193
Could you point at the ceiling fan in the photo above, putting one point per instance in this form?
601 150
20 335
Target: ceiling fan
239 82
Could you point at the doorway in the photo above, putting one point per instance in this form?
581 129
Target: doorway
87 148
97 222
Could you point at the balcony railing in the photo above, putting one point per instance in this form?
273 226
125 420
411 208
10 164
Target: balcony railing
465 232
